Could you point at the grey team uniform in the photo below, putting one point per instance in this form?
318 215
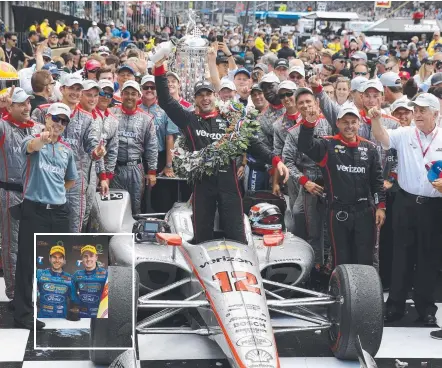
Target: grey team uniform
266 121
303 169
11 191
83 136
137 153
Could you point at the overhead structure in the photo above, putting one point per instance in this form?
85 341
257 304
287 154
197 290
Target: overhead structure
394 28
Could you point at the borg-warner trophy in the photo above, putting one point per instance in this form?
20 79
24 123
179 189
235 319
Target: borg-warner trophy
187 57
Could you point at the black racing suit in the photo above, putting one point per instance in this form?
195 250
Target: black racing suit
222 188
353 179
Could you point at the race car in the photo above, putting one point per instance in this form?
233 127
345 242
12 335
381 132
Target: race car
225 290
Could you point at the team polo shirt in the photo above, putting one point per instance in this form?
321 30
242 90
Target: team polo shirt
164 126
415 151
46 171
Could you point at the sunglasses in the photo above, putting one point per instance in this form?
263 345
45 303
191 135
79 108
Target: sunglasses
94 70
340 61
361 73
147 88
104 94
54 36
389 68
62 121
14 40
429 63
287 94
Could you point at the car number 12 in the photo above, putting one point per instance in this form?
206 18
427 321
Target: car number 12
245 281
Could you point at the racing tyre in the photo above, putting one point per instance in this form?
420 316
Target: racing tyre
116 330
359 311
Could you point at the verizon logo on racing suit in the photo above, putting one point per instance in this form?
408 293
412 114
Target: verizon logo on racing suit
351 169
128 134
50 168
225 259
214 136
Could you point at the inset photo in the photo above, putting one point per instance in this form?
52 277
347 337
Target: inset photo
71 276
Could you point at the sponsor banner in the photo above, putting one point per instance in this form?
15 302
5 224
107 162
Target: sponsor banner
382 4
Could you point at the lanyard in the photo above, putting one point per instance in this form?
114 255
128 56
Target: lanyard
420 143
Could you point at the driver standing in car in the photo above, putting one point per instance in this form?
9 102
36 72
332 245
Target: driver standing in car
200 130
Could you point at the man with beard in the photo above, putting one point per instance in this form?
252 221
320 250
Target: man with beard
15 125
308 207
89 282
56 293
222 188
353 182
83 135
138 146
163 193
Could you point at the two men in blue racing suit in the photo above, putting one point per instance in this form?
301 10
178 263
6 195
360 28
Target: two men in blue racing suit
56 291
89 283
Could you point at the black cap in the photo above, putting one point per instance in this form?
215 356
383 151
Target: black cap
282 62
436 79
203 85
403 47
256 87
338 55
239 60
284 40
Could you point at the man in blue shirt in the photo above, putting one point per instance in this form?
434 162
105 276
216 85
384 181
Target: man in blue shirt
89 283
125 35
163 193
56 293
50 170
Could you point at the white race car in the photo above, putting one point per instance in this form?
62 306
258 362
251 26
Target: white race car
226 290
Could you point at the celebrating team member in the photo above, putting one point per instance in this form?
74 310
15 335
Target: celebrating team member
14 126
56 293
353 181
138 147
201 130
49 172
89 283
83 136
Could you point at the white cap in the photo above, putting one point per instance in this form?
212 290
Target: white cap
75 22
103 50
112 23
147 78
173 74
297 69
69 80
401 103
269 78
94 23
348 108
371 83
226 83
20 95
390 79
426 100
359 55
59 108
103 83
89 84
287 84
132 84
356 83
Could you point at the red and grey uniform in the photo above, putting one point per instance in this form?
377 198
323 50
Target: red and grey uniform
83 136
109 134
302 169
266 121
222 188
354 185
12 163
137 152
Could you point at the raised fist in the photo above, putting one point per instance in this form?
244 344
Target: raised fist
315 81
374 113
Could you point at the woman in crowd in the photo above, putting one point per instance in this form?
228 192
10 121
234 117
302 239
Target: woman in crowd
342 90
423 76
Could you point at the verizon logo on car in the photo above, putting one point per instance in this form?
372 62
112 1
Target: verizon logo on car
214 136
351 169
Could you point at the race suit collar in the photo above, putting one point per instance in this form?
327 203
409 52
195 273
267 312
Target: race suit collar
28 124
53 273
129 112
212 114
294 116
346 142
277 107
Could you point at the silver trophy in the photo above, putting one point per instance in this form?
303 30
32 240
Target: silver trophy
189 59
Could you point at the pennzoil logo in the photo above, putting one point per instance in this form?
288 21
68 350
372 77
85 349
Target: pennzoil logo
223 247
225 259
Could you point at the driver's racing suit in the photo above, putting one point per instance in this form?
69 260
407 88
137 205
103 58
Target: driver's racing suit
89 286
11 190
55 292
83 135
137 153
353 178
222 188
